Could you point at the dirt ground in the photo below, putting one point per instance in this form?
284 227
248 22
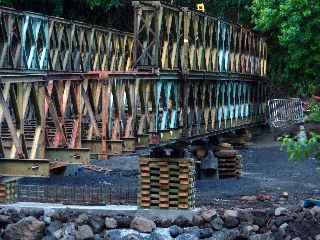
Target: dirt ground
266 171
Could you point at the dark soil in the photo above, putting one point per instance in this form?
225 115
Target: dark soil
266 170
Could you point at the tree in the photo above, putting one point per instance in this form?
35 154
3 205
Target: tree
293 27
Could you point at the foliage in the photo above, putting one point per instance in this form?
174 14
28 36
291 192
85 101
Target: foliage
293 27
298 149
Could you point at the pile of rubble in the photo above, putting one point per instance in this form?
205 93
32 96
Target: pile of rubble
214 224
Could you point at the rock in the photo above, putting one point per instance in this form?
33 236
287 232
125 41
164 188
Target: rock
47 220
231 213
317 237
160 234
27 228
53 227
209 214
82 219
297 238
142 224
217 223
245 216
58 234
282 219
192 230
231 222
205 233
4 220
123 221
281 232
110 223
69 229
246 231
280 211
187 236
182 221
157 236
265 236
166 222
114 234
175 231
49 238
197 220
226 234
315 210
132 236
97 223
84 233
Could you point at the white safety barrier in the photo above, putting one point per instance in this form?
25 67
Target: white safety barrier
284 113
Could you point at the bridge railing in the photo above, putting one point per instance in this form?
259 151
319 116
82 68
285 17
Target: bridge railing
177 38
30 41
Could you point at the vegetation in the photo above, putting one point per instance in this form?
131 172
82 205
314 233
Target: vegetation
293 27
303 146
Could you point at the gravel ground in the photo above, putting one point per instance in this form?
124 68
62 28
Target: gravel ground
266 170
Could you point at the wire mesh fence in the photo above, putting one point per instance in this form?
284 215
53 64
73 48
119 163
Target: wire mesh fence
82 195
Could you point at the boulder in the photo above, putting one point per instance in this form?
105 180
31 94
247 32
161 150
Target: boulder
82 219
192 230
142 224
28 228
114 234
123 221
97 224
175 231
4 220
231 222
187 236
132 236
231 213
69 229
110 223
84 233
182 221
265 236
205 233
197 220
209 214
226 234
217 223
315 210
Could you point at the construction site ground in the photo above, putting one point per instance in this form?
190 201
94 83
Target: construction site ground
266 175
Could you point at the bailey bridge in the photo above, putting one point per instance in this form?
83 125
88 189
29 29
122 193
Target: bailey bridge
69 90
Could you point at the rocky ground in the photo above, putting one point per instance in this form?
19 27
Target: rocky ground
281 223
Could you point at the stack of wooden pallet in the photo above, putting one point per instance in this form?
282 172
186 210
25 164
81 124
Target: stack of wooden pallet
8 190
166 183
229 161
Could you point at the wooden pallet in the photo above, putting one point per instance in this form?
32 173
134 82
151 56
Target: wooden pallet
166 183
